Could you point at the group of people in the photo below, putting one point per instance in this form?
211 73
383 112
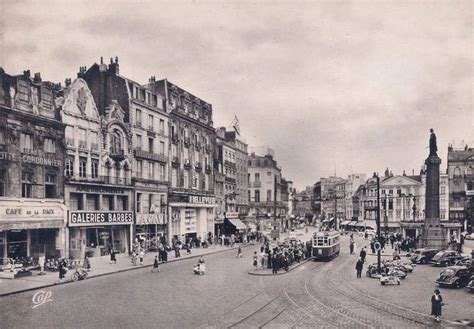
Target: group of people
279 257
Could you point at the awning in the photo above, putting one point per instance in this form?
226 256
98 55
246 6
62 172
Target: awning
237 223
345 222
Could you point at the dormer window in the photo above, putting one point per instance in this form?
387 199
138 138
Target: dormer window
46 97
24 90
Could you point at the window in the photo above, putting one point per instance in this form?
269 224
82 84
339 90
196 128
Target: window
76 201
116 144
145 173
269 195
139 168
257 195
390 204
138 118
186 179
162 172
257 177
82 167
26 142
95 168
139 202
162 147
150 122
150 145
250 195
49 145
162 126
82 138
139 142
46 97
50 186
70 166
399 192
23 90
174 178
443 190
3 180
2 137
26 184
94 138
398 212
390 192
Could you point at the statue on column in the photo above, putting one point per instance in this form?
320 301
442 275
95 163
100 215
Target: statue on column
433 146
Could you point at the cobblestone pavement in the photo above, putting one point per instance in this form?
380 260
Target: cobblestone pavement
314 295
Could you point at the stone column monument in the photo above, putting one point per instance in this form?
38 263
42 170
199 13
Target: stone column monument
434 235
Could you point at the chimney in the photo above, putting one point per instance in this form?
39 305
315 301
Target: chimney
37 78
67 82
27 73
413 172
114 67
404 173
82 71
102 66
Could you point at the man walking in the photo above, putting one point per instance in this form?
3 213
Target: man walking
351 246
155 265
363 254
359 267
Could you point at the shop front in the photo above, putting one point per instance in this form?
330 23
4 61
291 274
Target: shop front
192 216
151 230
33 228
96 233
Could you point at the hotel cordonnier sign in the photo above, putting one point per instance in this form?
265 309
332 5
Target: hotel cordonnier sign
94 218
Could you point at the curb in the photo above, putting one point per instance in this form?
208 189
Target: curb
280 273
382 255
118 271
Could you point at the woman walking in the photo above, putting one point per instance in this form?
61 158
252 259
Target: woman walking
155 265
436 305
255 260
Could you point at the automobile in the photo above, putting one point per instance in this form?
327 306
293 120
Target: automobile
445 258
470 285
468 236
424 255
454 276
389 279
393 271
465 261
370 233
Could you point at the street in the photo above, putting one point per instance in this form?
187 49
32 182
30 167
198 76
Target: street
312 295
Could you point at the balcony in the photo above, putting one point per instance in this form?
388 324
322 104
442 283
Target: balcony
187 164
174 139
257 184
99 179
117 155
208 169
175 162
150 156
161 180
82 145
197 166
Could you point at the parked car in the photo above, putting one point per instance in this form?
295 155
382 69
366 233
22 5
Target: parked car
470 285
465 261
424 255
454 276
468 236
389 279
446 258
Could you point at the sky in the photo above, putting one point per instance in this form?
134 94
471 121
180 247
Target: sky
332 87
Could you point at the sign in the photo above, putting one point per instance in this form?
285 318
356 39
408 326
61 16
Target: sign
229 214
190 224
199 199
27 158
93 218
193 199
147 219
53 214
100 189
377 246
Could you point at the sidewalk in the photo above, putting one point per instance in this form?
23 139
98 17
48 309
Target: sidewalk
100 266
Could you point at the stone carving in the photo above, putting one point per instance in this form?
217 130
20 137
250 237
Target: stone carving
81 101
433 144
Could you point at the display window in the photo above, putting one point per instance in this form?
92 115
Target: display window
17 244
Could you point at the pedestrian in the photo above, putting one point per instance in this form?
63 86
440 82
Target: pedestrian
87 263
359 267
155 265
363 254
436 305
239 252
141 254
262 259
113 259
255 260
351 247
62 267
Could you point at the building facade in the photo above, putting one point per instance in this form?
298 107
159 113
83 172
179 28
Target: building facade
333 194
461 186
191 175
353 182
32 211
264 179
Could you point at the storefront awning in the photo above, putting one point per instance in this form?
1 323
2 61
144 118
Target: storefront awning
345 222
237 223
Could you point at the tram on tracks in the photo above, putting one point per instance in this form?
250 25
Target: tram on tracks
325 245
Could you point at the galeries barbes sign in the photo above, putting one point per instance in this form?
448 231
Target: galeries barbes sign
93 218
26 158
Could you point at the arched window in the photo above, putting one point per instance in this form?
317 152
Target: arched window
457 172
116 142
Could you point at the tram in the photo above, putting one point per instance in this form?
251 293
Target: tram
325 245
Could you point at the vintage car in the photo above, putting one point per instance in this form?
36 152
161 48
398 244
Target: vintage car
454 276
446 258
393 271
389 279
424 255
465 261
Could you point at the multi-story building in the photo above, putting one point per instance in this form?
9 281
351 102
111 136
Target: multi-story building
333 193
353 182
192 143
264 177
304 204
32 211
461 186
99 162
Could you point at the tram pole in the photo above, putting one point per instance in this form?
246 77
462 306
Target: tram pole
378 221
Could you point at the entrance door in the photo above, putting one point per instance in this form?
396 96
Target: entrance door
410 232
17 244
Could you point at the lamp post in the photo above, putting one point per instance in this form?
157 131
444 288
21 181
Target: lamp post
378 222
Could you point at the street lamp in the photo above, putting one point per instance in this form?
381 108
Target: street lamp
378 222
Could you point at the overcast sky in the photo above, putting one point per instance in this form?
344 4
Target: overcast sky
350 85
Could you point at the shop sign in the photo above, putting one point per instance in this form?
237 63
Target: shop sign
100 189
28 212
27 158
190 224
146 219
193 199
232 214
93 218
